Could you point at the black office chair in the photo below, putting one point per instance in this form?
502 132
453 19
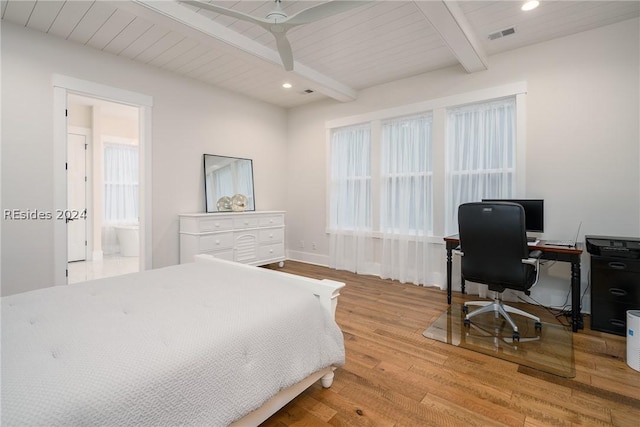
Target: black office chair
493 245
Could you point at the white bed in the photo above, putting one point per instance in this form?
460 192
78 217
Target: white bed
207 343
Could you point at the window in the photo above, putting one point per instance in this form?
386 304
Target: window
397 176
481 155
350 182
406 176
120 183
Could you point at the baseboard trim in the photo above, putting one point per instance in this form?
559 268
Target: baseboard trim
309 258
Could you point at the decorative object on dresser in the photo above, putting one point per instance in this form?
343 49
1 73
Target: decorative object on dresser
239 203
255 238
224 204
228 183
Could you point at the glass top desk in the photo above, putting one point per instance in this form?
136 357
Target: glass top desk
554 253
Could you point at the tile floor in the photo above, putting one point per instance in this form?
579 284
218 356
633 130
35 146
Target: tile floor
80 271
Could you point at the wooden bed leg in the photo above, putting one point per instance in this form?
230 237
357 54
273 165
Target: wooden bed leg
327 380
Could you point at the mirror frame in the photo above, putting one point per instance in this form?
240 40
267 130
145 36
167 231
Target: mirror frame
214 208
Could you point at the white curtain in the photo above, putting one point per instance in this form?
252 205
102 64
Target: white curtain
244 181
120 202
406 208
350 245
481 155
223 183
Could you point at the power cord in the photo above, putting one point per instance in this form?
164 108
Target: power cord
565 310
557 312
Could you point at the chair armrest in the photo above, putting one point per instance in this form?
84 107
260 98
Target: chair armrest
457 251
534 258
535 254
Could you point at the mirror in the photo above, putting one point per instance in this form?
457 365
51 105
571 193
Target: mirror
228 184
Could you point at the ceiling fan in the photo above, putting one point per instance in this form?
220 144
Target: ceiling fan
277 22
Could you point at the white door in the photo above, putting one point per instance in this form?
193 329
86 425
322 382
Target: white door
76 214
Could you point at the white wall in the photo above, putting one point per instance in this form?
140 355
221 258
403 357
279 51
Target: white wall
582 140
189 119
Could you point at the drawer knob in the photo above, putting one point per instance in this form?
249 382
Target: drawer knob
217 242
271 236
617 322
246 223
617 292
270 251
617 265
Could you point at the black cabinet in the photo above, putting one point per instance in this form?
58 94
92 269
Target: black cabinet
615 284
615 288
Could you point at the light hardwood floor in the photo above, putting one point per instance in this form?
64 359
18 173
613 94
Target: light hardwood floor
393 376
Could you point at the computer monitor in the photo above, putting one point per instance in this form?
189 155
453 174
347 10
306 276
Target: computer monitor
533 212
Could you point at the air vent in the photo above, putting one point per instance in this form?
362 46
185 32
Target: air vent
307 91
503 33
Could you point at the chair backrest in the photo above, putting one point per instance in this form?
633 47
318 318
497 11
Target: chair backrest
493 239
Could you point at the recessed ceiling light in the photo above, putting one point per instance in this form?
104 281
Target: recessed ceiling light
287 85
530 5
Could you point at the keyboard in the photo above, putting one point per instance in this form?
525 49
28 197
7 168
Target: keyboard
567 243
531 239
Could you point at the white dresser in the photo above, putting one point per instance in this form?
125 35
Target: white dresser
255 238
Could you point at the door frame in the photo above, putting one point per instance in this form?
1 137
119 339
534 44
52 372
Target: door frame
62 86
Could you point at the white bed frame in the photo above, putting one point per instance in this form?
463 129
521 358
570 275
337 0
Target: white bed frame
327 292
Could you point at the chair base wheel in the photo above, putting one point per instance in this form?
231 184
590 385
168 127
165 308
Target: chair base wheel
467 323
538 326
465 309
516 337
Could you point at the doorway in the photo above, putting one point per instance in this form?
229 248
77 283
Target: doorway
102 215
63 86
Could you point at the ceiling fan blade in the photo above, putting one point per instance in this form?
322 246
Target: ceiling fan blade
284 49
324 10
227 12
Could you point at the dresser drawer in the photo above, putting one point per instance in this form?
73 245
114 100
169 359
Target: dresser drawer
271 235
611 317
245 222
215 224
212 242
272 251
274 220
615 264
622 285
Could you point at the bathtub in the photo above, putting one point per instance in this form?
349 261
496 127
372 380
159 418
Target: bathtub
128 239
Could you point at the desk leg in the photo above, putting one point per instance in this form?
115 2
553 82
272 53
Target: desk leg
449 267
576 315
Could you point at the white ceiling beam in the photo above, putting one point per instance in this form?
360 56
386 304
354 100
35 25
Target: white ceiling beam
449 21
184 20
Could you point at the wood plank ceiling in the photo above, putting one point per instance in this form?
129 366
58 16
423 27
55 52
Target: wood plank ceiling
377 42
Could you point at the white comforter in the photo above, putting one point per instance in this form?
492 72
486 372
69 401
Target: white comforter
182 345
